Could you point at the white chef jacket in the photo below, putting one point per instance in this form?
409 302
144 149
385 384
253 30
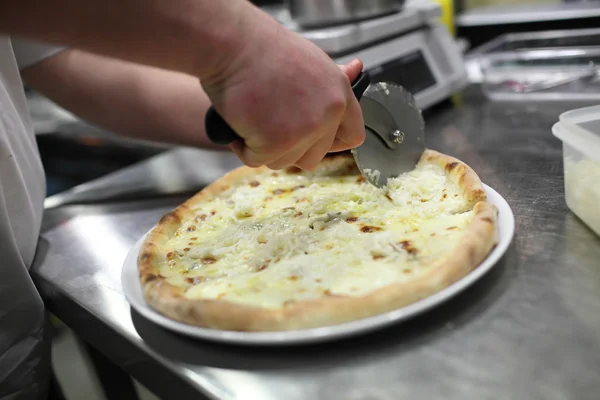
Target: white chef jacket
24 353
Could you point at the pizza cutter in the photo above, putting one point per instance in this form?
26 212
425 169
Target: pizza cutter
395 137
395 131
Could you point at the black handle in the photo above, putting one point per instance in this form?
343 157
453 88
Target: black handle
219 131
361 84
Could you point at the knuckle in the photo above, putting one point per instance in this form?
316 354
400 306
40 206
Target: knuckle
311 160
311 125
279 163
306 165
275 167
275 139
252 162
337 105
283 142
358 136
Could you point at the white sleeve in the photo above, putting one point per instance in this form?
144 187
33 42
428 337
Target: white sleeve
28 53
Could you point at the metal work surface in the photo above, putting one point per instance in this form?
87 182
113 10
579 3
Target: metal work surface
529 330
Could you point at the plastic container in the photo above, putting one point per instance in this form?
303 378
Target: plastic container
532 66
539 40
579 130
567 74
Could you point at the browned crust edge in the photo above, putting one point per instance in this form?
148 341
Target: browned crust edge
460 173
478 240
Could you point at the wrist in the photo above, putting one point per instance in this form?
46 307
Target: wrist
236 43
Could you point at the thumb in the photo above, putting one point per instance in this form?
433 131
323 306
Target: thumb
353 69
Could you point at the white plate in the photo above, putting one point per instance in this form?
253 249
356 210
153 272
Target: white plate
133 291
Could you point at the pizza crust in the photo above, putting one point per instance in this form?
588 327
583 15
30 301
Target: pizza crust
477 241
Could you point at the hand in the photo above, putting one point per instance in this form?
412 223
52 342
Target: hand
285 97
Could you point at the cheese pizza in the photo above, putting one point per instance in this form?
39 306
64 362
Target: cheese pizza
263 250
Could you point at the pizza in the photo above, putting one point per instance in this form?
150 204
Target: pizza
264 250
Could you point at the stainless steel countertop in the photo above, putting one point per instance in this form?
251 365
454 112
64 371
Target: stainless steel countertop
529 330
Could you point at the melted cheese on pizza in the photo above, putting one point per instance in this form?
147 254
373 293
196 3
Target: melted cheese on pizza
277 238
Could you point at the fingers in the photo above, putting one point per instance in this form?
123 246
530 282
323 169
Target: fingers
353 69
237 147
341 145
316 153
337 126
351 131
287 159
352 128
245 154
338 146
252 155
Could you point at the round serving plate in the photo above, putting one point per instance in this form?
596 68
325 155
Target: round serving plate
133 292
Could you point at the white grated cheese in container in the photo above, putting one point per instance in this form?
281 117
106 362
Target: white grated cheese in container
579 130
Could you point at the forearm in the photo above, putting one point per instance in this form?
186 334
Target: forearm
133 100
198 37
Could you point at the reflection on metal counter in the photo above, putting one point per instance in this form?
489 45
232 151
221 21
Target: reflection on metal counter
74 152
167 176
410 47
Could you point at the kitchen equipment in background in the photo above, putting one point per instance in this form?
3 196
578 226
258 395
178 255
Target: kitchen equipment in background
411 48
553 65
505 12
315 13
542 75
540 40
448 8
481 24
579 130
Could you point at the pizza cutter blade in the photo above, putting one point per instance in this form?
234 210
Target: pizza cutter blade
395 133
